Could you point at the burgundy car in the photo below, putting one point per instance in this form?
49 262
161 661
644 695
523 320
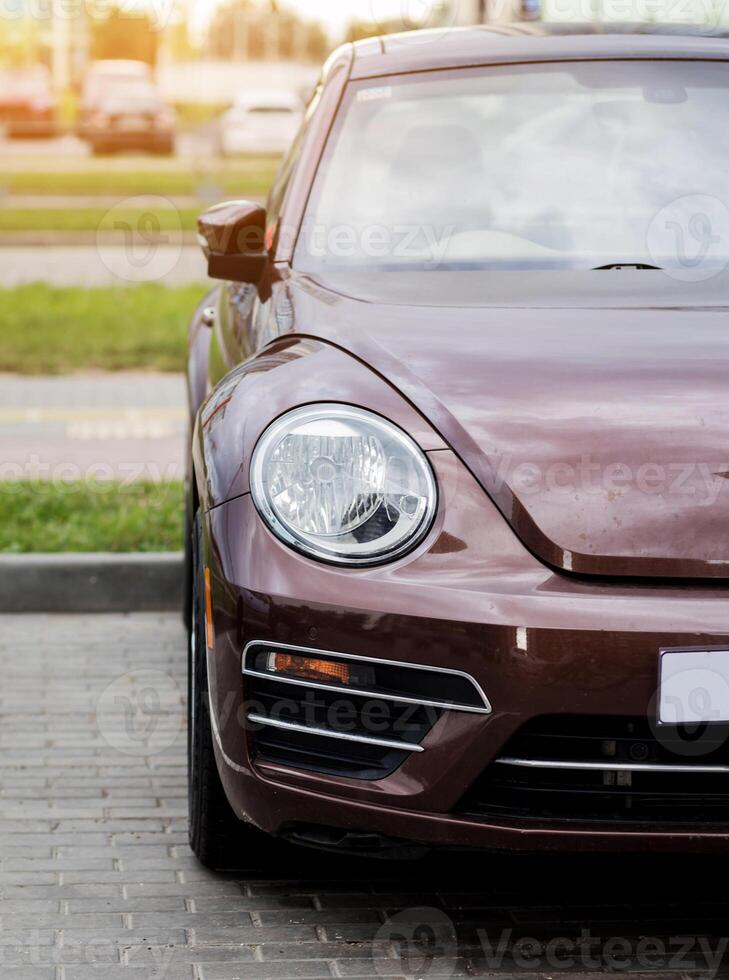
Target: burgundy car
459 487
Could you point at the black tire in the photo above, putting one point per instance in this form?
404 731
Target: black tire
187 580
217 837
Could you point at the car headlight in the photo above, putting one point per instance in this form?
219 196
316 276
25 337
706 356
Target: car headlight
343 485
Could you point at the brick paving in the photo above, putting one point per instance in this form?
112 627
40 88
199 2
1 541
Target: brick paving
96 879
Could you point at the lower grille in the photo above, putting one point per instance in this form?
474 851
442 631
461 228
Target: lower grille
342 715
613 769
333 733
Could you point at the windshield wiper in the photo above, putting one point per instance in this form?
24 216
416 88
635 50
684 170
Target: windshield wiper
628 265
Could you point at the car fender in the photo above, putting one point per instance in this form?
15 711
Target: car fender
288 373
199 336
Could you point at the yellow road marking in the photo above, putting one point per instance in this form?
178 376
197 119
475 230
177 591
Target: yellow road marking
35 416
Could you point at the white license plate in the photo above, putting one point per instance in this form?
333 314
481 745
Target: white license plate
693 686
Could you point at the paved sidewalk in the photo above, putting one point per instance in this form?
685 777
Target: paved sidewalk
103 265
128 426
96 879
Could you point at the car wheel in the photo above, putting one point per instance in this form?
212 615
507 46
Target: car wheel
187 583
217 837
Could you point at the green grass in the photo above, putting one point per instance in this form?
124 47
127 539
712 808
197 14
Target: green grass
98 219
56 330
48 517
126 177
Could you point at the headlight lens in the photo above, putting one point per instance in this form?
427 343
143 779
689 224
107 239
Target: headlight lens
343 484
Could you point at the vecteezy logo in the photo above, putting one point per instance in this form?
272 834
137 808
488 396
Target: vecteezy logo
689 238
691 704
414 15
140 238
423 939
141 713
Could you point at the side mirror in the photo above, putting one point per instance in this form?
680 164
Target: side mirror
232 236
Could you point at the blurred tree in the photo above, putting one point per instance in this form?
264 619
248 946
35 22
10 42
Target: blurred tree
242 30
358 30
179 43
439 13
20 42
119 34
318 46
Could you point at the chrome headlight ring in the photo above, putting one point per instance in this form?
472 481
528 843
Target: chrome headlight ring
343 485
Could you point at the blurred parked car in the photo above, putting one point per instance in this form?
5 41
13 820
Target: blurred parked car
260 123
103 74
129 116
27 104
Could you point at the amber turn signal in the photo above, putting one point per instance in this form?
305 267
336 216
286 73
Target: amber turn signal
307 668
209 629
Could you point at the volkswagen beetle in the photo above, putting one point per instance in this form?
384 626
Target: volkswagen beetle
458 500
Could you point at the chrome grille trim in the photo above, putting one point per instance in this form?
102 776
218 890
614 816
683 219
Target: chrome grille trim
375 695
485 708
290 726
608 766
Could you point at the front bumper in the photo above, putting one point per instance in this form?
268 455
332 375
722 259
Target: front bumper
130 139
31 125
472 599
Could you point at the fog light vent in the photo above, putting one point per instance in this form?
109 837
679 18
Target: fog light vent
346 715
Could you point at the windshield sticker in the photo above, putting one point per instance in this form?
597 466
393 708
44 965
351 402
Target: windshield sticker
371 94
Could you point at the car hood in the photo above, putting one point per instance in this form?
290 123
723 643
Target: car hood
602 433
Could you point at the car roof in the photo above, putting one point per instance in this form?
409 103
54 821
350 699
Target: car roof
458 47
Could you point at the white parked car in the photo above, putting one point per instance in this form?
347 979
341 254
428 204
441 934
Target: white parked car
260 122
113 72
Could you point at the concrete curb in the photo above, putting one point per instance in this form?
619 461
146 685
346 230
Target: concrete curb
85 583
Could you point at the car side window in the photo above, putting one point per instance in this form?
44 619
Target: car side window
283 178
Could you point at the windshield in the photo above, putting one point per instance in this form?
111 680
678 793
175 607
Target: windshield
25 81
569 166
